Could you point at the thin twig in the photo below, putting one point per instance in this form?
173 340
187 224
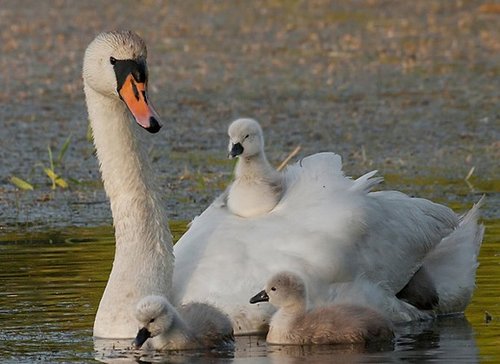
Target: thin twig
290 156
469 175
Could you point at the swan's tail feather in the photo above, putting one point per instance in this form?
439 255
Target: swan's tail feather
453 263
471 217
366 182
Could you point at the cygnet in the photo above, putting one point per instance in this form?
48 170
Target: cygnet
294 324
193 326
257 186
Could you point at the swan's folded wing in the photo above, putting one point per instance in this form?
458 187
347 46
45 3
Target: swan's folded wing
370 294
400 232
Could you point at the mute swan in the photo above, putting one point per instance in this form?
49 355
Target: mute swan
293 323
193 326
335 233
257 186
115 78
326 227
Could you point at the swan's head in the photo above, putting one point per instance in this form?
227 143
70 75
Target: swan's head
115 66
245 138
282 290
155 315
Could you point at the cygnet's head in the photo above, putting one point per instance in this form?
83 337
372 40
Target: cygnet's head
155 315
245 138
282 290
115 66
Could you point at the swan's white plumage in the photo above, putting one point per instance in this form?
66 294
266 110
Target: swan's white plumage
364 292
460 251
326 227
143 261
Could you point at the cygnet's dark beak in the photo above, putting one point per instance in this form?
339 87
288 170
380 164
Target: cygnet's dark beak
141 337
260 297
236 150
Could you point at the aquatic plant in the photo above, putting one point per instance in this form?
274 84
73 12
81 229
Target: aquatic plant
50 171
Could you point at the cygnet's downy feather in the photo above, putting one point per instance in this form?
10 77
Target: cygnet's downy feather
257 186
194 325
294 324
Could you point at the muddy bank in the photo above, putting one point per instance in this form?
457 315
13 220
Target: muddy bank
408 88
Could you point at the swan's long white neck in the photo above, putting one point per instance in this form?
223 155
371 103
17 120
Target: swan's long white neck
143 242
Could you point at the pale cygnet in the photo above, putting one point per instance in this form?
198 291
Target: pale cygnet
293 323
257 186
193 326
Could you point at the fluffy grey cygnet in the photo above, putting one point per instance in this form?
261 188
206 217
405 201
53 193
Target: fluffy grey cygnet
335 324
257 186
193 326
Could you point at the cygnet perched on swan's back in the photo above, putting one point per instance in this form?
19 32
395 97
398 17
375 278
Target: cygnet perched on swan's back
193 326
335 324
257 186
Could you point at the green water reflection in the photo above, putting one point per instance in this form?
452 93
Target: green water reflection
52 283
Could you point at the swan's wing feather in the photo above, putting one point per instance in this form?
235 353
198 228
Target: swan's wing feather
400 232
375 295
367 182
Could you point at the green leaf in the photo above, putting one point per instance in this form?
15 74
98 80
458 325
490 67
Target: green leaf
51 160
21 184
74 181
64 149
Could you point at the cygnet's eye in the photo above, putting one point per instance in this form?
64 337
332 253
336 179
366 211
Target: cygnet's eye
273 288
112 60
152 320
246 136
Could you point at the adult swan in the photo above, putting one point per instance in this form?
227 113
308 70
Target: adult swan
327 228
115 78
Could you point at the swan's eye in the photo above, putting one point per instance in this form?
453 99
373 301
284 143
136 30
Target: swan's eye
112 60
273 288
152 320
246 136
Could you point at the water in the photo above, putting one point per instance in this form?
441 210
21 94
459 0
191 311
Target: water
52 282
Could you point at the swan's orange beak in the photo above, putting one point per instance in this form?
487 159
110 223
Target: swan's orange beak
134 94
